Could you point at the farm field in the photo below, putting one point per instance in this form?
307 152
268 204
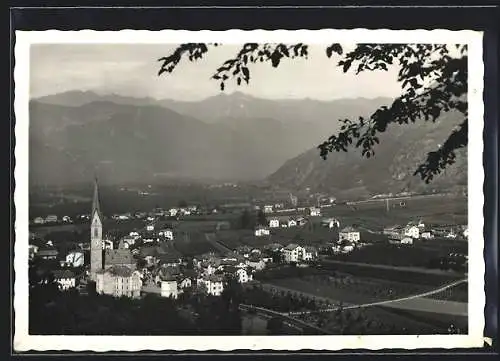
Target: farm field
352 290
441 320
460 293
431 306
413 275
444 209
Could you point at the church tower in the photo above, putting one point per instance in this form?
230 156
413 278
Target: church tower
96 251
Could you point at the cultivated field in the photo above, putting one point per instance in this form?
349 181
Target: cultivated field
374 215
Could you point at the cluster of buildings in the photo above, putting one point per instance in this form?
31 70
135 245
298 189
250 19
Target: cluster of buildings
280 208
418 230
51 219
276 222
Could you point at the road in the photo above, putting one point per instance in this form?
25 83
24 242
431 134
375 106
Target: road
421 196
211 238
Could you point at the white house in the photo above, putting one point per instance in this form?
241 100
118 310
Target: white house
426 235
167 233
292 223
451 235
465 233
301 221
214 284
407 240
65 278
255 262
75 258
107 244
185 282
66 219
39 220
314 211
268 209
150 227
128 241
242 275
310 253
32 251
347 248
349 234
207 268
169 287
261 231
51 218
293 253
173 212
274 223
411 231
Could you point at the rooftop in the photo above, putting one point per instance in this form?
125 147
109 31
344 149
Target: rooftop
349 229
48 252
291 246
119 271
63 274
118 256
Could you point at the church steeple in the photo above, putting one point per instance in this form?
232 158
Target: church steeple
95 234
95 201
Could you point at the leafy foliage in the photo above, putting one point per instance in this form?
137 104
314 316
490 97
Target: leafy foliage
433 81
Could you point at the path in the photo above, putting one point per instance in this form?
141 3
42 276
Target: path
211 238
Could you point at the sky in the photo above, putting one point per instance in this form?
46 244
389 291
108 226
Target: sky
132 70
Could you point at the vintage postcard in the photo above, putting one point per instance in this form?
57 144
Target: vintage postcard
255 187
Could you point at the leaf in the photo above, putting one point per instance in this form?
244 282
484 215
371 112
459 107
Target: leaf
275 59
222 86
346 66
238 81
246 73
334 48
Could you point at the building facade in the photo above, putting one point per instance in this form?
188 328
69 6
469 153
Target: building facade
119 281
293 253
349 234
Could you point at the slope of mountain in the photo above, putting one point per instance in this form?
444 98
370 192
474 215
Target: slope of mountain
127 143
137 139
401 150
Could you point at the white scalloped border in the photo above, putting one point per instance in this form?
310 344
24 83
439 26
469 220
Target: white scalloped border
25 342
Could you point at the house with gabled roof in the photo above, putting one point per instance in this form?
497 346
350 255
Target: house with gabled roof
293 253
350 234
118 281
66 279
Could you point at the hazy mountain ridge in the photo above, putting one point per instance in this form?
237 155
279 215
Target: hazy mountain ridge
401 150
225 137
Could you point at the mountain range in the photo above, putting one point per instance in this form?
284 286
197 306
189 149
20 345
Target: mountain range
234 137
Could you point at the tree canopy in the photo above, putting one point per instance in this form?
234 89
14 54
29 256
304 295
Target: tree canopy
433 80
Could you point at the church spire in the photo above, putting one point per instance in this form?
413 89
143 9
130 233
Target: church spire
95 201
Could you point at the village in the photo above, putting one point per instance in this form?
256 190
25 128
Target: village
149 260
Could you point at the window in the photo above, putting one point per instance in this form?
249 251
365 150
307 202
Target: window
96 232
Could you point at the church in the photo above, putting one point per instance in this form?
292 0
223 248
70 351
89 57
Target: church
113 270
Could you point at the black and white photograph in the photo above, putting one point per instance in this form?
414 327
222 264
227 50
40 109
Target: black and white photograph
249 184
